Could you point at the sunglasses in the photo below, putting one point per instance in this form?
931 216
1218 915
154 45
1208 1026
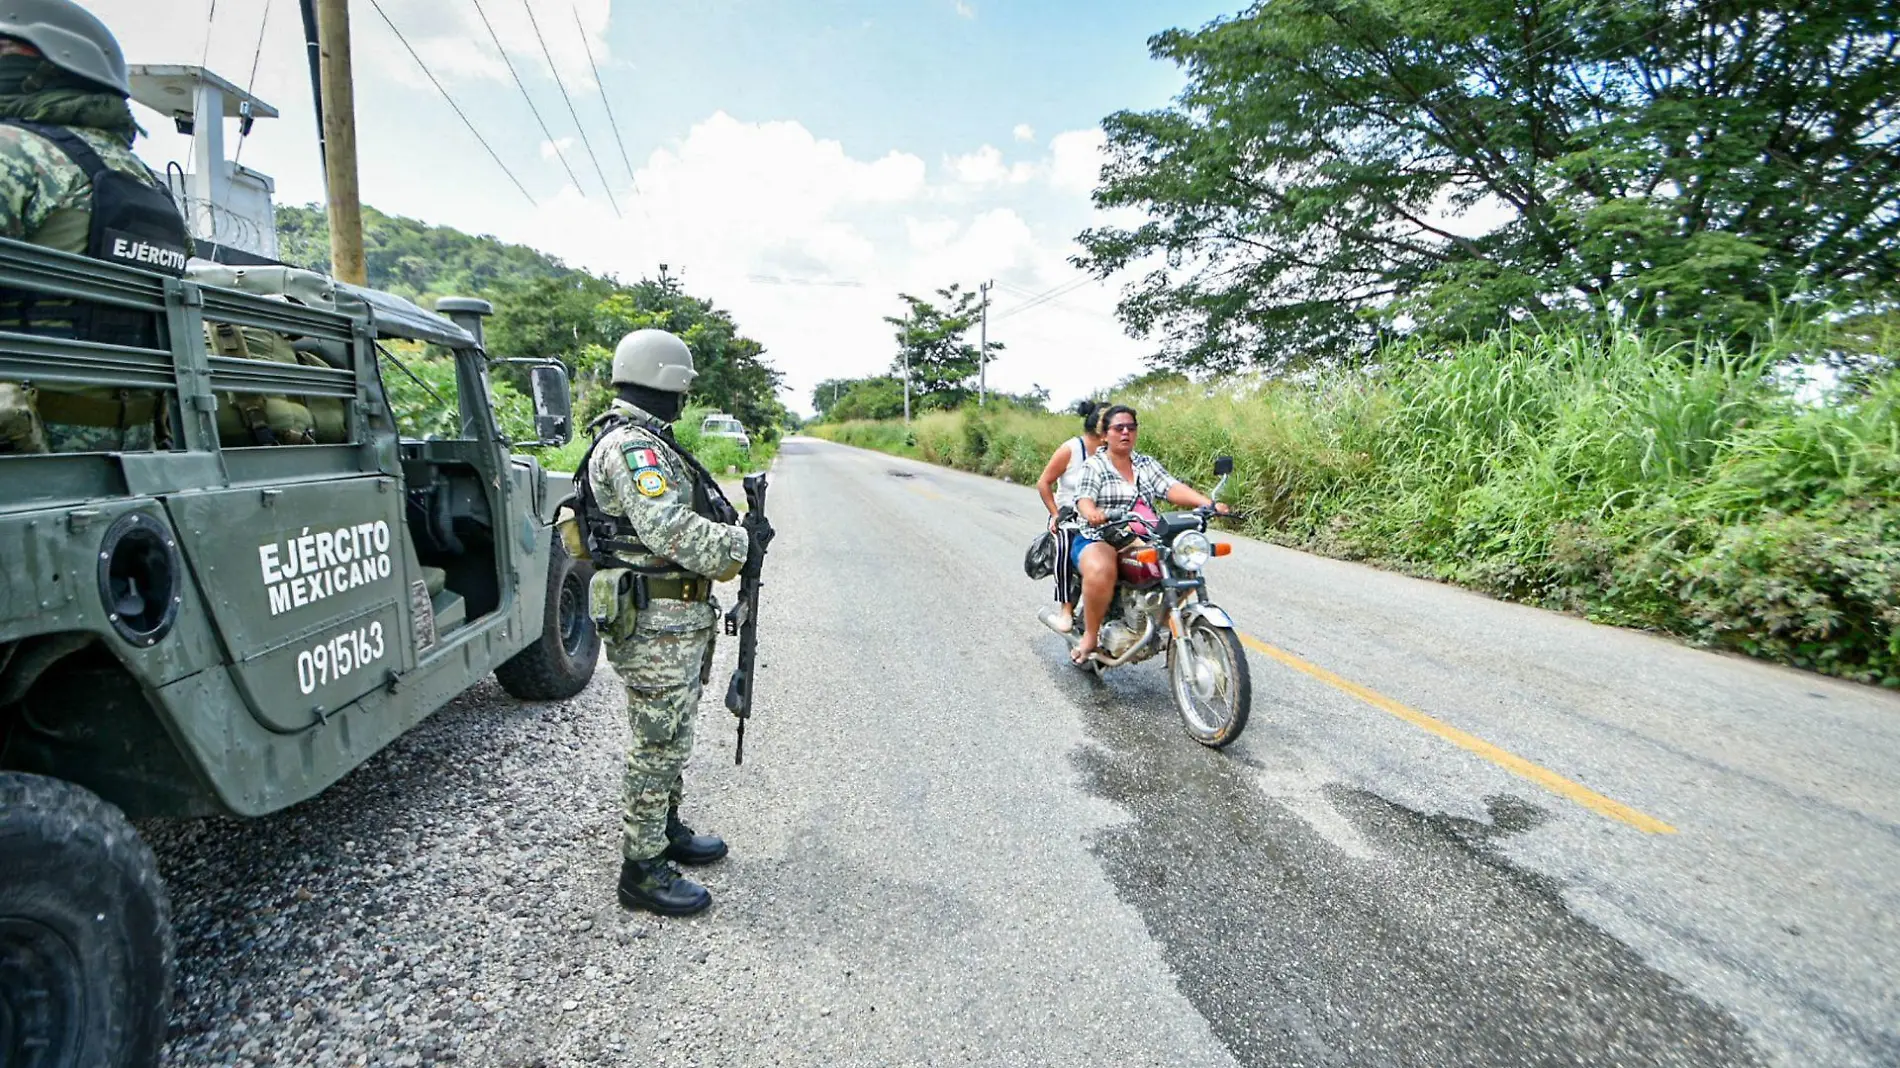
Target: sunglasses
1125 427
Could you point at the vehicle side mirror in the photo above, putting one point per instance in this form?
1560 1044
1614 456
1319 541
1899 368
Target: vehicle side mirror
1223 466
553 408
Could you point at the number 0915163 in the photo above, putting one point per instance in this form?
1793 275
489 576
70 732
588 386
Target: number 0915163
330 660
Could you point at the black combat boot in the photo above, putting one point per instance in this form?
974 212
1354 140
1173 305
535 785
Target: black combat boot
685 847
655 886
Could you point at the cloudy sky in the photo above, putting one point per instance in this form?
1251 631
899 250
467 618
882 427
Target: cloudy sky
798 161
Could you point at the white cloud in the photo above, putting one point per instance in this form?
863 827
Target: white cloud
553 149
964 9
1076 159
809 246
1024 132
721 202
928 235
982 167
985 167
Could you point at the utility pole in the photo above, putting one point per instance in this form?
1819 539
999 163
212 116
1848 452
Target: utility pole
907 384
983 346
339 141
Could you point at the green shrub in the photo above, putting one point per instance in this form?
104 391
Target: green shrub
1683 488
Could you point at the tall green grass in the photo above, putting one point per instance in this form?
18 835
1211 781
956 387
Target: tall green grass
1682 488
889 436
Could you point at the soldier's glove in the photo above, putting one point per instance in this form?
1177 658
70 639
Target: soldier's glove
761 530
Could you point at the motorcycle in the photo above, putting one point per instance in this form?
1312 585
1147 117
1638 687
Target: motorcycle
1161 606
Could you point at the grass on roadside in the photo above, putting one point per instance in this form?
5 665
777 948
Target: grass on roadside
1683 488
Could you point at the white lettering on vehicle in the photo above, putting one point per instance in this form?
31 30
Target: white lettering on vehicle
336 658
310 567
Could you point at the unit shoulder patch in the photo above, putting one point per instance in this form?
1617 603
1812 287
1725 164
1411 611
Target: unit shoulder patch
649 481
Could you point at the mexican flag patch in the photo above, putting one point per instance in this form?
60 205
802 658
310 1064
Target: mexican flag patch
639 456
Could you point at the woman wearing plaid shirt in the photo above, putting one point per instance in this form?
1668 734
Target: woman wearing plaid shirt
1118 478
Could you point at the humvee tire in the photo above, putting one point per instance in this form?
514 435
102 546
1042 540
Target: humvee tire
560 663
85 932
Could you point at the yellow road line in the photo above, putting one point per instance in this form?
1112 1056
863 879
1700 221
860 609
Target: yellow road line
1505 759
922 492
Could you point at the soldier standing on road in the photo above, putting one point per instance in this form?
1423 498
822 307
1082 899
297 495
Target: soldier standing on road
69 181
655 511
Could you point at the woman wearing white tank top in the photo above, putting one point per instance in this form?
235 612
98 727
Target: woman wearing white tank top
1059 481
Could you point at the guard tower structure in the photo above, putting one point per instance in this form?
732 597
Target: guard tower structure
227 205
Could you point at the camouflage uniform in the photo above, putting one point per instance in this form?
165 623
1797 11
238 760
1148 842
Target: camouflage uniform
663 650
46 199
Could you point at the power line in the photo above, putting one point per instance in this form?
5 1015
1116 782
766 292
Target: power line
545 132
451 100
1043 298
1074 308
595 67
528 5
204 57
639 197
244 129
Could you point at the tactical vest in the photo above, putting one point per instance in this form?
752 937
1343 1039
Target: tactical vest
610 539
133 223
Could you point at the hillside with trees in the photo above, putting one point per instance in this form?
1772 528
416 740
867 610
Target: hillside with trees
544 308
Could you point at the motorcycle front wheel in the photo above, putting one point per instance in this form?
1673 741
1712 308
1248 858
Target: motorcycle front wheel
1208 671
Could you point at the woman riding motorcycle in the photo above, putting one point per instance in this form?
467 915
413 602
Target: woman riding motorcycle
1120 479
1059 481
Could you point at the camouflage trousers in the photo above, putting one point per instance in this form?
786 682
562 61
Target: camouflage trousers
662 672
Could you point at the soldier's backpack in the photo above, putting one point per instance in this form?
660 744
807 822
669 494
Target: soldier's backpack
271 419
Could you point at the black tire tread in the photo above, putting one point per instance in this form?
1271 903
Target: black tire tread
34 808
542 671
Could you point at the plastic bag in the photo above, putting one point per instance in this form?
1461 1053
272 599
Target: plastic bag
1040 561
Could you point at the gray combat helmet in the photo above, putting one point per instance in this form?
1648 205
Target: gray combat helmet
654 359
70 37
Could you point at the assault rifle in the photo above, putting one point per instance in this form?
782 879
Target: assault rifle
743 619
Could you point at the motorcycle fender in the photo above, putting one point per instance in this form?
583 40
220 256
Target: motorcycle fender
1212 613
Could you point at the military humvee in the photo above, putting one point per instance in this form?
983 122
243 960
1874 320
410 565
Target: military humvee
228 622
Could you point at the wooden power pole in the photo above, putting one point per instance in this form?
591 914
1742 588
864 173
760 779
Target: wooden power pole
983 349
339 141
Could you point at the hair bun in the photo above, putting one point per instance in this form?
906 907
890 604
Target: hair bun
1086 408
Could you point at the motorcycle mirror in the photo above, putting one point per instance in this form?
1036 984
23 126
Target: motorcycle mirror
1223 465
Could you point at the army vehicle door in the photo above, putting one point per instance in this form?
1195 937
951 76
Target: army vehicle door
304 544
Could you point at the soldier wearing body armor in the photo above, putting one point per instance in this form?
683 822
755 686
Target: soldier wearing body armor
69 181
660 532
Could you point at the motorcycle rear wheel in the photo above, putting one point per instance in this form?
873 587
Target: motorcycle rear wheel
1207 670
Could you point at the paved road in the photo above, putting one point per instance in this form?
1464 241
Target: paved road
1702 868
1457 832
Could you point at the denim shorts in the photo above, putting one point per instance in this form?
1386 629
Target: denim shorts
1077 544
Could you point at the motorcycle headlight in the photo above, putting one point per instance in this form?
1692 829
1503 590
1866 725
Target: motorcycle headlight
1191 551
